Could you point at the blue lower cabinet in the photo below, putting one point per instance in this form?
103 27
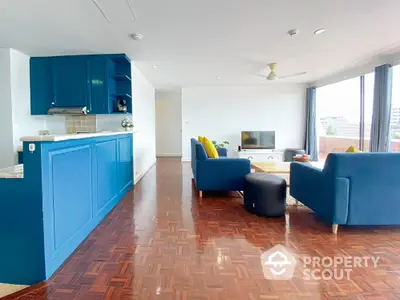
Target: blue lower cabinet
125 171
107 172
67 190
69 206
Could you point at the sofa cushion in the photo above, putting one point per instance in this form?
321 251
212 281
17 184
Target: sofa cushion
352 149
210 148
200 139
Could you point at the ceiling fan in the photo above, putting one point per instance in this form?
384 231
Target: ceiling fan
272 75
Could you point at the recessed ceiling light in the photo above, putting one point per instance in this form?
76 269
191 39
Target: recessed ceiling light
136 36
218 77
154 66
319 31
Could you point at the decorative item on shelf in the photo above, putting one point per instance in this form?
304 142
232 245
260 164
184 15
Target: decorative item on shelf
302 158
127 124
121 105
220 145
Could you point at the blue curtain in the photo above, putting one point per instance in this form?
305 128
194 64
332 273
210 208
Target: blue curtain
310 144
380 128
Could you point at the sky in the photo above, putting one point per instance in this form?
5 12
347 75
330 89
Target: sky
343 98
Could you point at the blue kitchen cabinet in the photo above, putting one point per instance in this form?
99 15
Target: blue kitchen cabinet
42 94
68 208
99 84
110 77
107 164
94 81
67 189
71 81
125 159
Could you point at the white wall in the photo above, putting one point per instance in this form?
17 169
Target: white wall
56 124
169 123
22 121
6 136
144 140
15 118
221 113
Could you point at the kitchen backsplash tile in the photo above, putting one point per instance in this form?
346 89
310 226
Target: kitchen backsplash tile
76 124
88 123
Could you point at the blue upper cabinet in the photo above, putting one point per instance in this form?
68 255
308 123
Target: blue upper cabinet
99 84
70 81
42 94
102 83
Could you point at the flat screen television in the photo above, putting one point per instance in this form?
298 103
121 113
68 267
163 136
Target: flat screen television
258 140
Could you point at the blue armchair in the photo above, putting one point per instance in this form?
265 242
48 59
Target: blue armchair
217 174
352 188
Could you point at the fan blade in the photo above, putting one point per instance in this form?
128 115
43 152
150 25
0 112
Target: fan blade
272 76
293 75
272 66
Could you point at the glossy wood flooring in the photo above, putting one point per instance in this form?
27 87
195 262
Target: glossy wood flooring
163 242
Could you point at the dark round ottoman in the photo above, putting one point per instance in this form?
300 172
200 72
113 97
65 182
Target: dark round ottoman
265 194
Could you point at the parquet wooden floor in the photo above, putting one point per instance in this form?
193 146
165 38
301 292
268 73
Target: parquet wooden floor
163 242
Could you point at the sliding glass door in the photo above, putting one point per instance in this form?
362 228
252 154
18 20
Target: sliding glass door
344 115
395 113
338 116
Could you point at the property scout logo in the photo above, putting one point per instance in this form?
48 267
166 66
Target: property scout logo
279 264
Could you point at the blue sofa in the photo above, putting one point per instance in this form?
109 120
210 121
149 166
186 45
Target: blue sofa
352 188
217 174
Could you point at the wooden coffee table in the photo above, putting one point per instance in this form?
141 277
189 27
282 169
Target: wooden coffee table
273 167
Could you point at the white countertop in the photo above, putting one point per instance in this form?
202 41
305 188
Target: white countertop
16 171
64 137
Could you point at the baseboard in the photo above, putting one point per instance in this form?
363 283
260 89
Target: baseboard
169 155
140 176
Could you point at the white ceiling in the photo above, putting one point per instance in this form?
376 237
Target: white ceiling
192 42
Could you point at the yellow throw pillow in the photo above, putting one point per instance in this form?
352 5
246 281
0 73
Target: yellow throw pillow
210 148
200 139
352 149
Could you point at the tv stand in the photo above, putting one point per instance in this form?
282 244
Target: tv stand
259 155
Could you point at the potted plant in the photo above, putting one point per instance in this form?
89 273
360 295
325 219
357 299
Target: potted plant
222 151
127 124
220 145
